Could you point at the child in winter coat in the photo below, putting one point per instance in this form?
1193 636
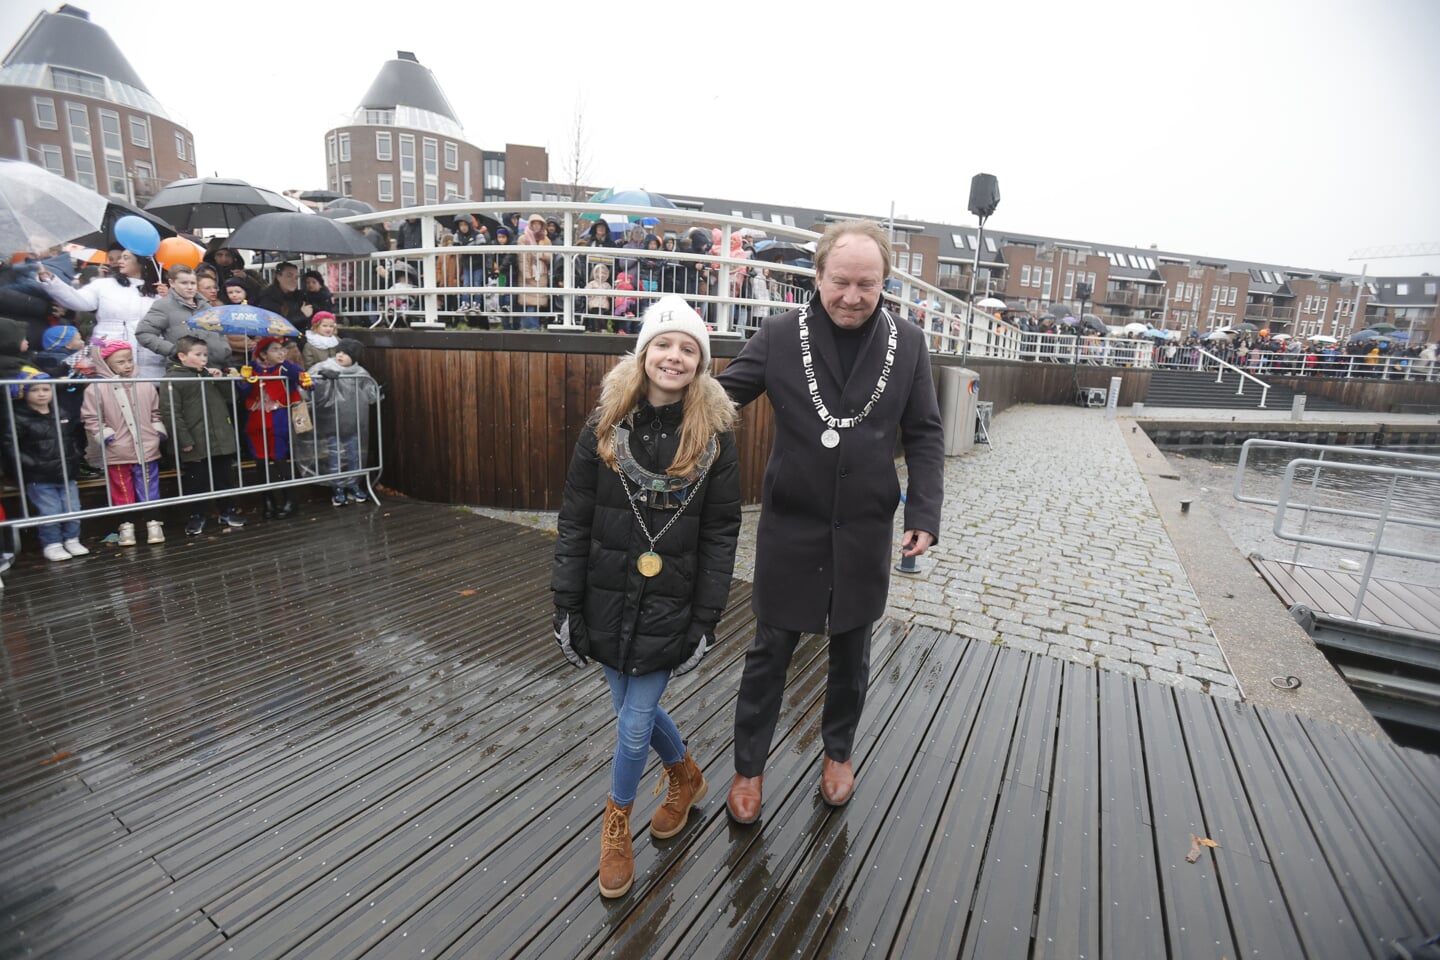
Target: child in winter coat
343 392
597 305
66 359
321 340
49 460
123 423
267 425
196 408
646 546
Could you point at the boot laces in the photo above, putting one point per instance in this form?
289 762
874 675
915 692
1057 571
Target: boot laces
617 824
672 795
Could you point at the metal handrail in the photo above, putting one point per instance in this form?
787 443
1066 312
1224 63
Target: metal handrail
1223 365
1422 466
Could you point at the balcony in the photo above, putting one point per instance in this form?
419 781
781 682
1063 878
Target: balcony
1142 299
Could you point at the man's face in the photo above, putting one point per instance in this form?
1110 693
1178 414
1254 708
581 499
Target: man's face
196 358
207 288
185 285
288 279
852 282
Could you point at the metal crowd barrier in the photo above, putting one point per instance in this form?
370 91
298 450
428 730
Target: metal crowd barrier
307 462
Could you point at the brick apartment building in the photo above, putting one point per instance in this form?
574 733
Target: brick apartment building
77 107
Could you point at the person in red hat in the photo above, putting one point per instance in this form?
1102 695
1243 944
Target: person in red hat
271 386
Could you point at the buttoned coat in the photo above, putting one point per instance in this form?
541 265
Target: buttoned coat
826 539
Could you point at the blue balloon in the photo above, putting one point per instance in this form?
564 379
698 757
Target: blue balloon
137 235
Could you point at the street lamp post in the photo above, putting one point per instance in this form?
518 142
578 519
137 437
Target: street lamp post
984 198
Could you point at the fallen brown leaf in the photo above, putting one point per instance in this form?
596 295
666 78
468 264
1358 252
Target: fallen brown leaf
467 593
1195 844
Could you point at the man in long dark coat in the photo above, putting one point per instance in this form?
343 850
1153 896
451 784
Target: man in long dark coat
844 377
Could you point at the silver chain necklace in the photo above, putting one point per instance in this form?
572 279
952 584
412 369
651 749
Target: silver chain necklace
831 436
649 563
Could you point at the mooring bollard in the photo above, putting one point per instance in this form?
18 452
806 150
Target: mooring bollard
906 565
1184 506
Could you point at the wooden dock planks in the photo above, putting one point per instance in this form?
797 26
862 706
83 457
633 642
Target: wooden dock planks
350 736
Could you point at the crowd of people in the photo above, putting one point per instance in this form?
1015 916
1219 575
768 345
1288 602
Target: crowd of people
1261 353
114 383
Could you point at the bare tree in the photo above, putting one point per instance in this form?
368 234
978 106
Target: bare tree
576 162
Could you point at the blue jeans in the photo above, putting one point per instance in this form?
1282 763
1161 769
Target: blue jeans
48 499
642 725
528 321
343 451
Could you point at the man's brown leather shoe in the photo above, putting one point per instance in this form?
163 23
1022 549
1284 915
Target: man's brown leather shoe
744 800
837 782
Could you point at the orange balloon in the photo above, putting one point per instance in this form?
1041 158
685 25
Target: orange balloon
177 250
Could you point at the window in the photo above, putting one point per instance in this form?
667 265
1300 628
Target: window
345 186
990 245
344 145
1234 291
1214 297
85 169
775 219
432 157
495 175
1025 275
330 150
452 191
382 145
144 173
1045 291
140 131
452 156
110 131
1324 305
79 124
958 239
385 188
1402 289
52 160
1179 290
45 114
790 222
407 153
73 81
115 174
1069 284
917 263
1090 279
1189 293
380 118
432 193
407 193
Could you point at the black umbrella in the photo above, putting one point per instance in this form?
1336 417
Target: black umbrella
477 220
1244 327
781 250
349 203
320 196
300 233
214 202
1091 322
116 209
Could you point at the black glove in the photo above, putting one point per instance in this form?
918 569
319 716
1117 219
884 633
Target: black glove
568 629
328 373
702 635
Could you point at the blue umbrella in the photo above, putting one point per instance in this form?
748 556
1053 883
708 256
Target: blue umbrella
243 320
638 198
1369 335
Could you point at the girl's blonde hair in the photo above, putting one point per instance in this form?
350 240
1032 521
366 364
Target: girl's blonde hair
707 411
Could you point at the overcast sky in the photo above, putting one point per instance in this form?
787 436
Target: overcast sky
1289 131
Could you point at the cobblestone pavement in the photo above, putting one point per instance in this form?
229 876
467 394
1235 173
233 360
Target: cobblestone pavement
1049 542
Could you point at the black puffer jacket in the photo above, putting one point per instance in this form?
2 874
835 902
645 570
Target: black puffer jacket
42 444
635 624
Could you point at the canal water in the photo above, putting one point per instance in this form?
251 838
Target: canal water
1211 469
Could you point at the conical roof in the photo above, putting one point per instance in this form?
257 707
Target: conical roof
67 38
403 82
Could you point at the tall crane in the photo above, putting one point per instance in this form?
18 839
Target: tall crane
1395 250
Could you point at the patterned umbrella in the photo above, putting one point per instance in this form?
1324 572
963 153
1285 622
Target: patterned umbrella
242 319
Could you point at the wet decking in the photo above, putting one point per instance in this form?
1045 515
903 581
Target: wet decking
1409 606
348 735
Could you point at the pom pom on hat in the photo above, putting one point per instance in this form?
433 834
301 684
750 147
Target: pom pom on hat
671 314
108 348
57 336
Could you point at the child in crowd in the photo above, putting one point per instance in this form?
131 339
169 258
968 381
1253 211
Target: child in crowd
123 423
196 409
267 426
44 445
646 546
344 392
597 306
320 340
65 358
625 307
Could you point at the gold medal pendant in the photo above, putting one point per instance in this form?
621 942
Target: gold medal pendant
649 563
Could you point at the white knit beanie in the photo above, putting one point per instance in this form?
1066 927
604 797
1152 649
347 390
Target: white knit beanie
671 314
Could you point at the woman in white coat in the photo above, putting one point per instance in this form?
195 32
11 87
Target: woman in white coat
119 304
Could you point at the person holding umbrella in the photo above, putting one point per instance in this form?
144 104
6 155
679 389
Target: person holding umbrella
283 296
269 390
165 322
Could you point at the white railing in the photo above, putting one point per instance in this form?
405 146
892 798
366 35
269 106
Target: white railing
1207 358
404 288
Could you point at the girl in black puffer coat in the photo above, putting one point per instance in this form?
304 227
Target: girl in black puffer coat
646 546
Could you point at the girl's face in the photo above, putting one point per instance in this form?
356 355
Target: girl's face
671 361
273 355
129 265
235 294
325 327
122 363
